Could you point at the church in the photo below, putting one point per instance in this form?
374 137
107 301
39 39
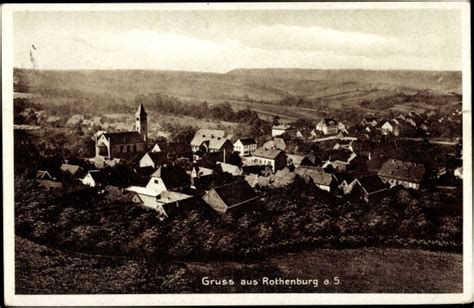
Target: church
120 144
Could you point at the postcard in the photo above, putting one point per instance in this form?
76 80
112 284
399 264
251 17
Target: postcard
219 153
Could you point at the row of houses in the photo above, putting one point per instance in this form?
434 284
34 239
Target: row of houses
175 175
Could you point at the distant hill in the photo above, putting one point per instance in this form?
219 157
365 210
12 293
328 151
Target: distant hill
258 89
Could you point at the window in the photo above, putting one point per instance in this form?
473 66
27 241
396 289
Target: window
121 148
128 148
134 148
157 181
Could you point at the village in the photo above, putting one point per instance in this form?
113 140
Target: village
224 172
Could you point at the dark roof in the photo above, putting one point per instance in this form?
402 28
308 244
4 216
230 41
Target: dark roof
235 193
141 111
124 137
372 184
247 141
172 176
400 170
98 176
158 158
174 147
341 155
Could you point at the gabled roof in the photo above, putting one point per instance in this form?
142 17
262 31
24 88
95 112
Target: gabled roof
158 158
275 144
172 176
141 111
328 122
167 197
174 147
400 170
247 141
232 169
372 184
218 143
235 193
269 154
98 176
296 159
342 155
124 137
43 175
318 177
71 169
206 135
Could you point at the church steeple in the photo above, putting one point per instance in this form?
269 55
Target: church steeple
141 122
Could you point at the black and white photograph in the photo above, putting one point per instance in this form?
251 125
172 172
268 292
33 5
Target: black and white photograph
265 153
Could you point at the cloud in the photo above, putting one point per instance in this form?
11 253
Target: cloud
261 46
283 37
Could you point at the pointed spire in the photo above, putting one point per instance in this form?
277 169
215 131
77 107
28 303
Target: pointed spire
141 110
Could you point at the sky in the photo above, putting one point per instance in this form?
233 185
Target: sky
220 41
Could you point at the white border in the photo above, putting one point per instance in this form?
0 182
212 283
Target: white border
234 299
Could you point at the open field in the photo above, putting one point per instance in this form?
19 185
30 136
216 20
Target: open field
41 270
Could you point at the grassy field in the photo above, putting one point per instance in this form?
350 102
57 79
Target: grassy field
41 270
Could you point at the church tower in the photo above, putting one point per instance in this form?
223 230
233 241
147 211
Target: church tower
141 123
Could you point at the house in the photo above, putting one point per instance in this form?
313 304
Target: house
340 160
344 144
232 169
303 133
46 181
397 172
411 122
458 172
274 158
369 122
209 181
173 150
317 176
327 126
163 189
168 177
278 130
369 188
162 201
153 159
73 170
245 146
297 160
226 197
387 127
114 145
94 178
275 144
205 135
201 171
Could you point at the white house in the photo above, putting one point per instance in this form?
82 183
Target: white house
245 146
328 126
153 159
93 178
387 127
